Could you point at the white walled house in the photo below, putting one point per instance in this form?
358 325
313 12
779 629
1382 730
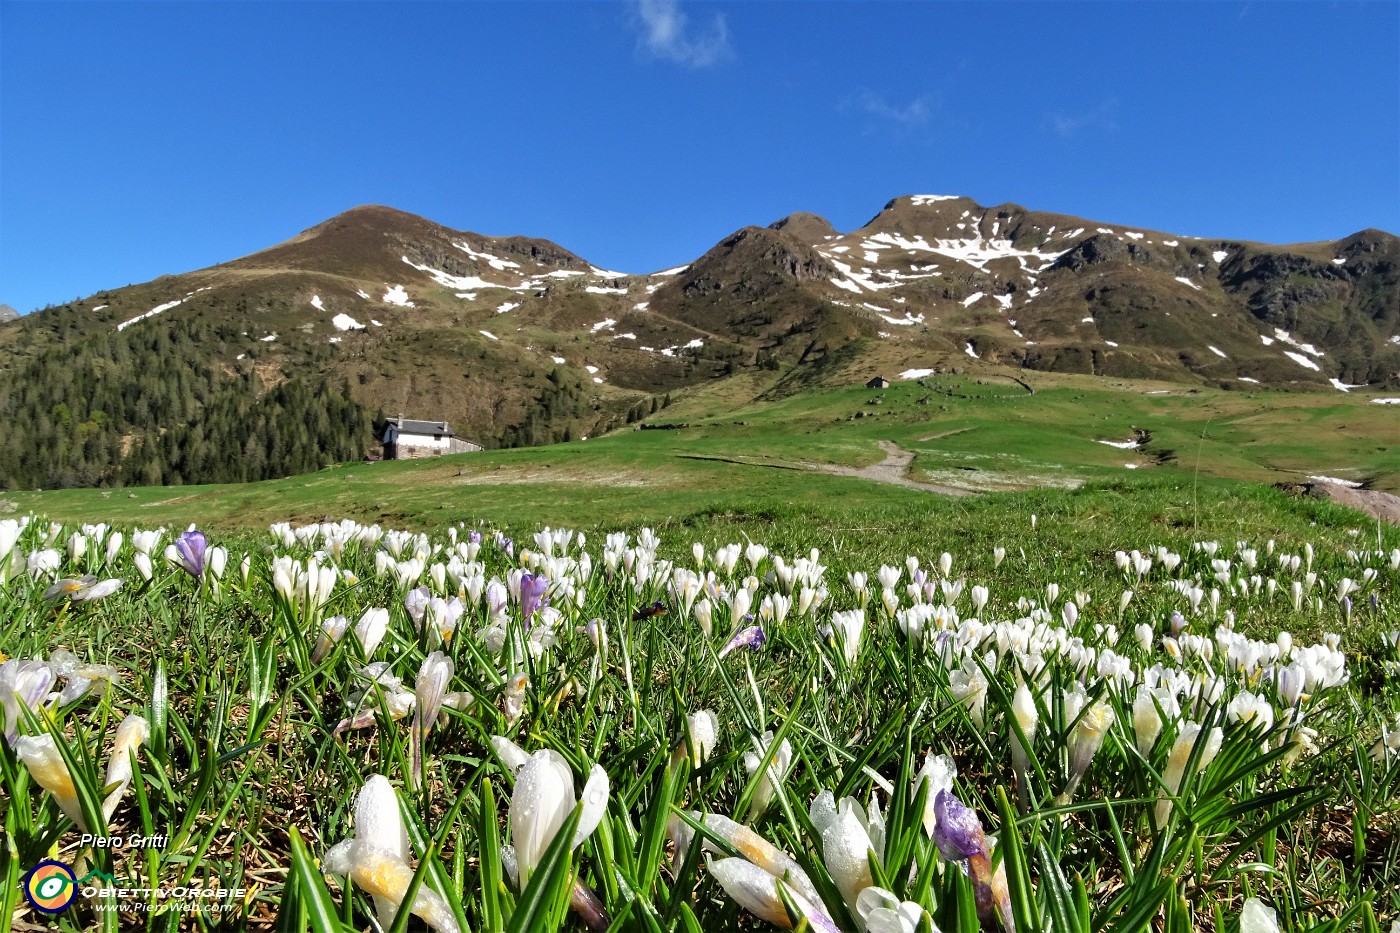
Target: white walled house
407 439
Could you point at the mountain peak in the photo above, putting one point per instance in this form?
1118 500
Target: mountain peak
810 228
7 313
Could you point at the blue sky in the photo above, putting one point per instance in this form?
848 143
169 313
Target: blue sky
138 139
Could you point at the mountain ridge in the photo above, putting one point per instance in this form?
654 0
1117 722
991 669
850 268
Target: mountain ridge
517 339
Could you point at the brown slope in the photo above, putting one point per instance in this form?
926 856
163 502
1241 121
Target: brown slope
809 228
765 288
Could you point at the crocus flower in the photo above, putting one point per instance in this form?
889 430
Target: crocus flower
969 686
533 587
80 679
846 629
189 550
704 615
959 836
880 911
22 683
1027 717
371 629
752 638
849 840
701 730
777 770
938 772
131 734
376 858
757 892
416 603
430 690
332 630
1180 756
1084 744
398 701
1256 918
41 756
513 698
543 799
84 589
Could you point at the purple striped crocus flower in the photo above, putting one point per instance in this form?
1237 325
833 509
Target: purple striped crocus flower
533 587
752 638
189 549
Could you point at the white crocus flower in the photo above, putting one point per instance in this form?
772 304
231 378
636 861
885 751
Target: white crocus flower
1256 918
880 911
22 684
371 629
377 859
1175 771
846 628
846 843
131 734
702 730
757 891
1027 717
774 775
41 756
542 801
969 687
1084 743
938 773
332 631
429 692
704 616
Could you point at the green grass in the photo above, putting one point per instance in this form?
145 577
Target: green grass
243 773
991 436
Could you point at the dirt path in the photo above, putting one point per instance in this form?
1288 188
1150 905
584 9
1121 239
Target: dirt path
893 469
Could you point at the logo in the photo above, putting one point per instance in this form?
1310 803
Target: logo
50 887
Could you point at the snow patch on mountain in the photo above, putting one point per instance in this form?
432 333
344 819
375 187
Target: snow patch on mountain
1301 360
1334 481
346 322
495 262
158 309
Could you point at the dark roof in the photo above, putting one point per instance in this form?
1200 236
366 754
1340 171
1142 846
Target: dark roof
410 426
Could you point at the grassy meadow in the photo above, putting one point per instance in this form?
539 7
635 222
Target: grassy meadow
685 680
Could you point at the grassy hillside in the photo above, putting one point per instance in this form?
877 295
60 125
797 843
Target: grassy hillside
978 435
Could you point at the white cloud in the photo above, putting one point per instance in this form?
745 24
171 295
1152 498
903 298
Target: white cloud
1100 119
666 34
915 113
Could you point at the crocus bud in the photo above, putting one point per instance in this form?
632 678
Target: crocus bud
131 734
